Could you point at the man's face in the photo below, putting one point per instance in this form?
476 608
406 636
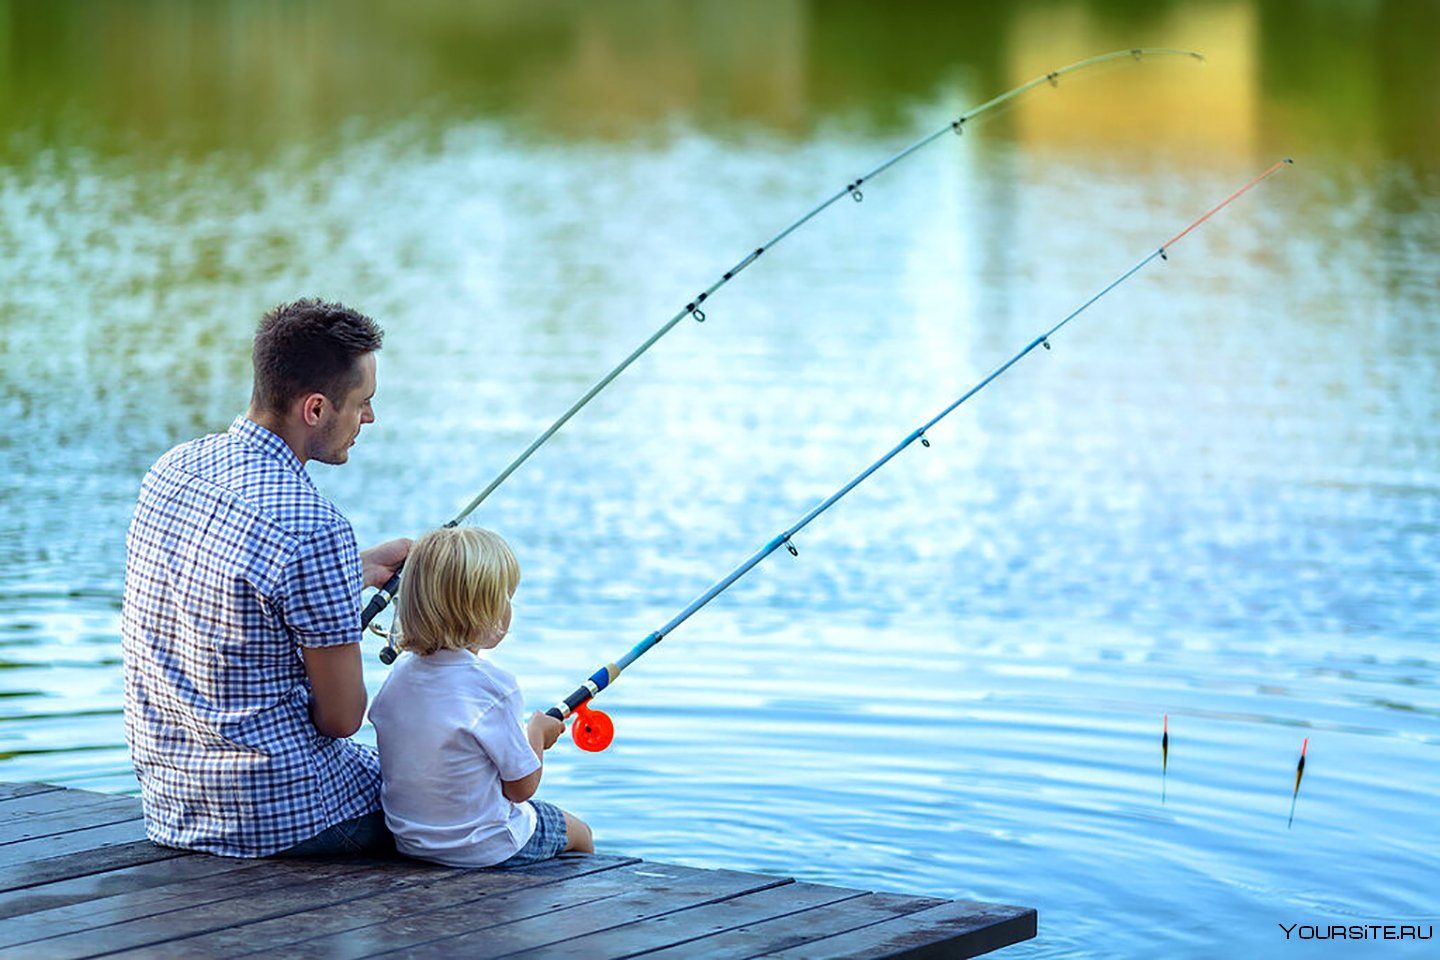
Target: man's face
341 421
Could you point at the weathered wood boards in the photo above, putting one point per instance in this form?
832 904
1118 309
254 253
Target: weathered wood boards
78 879
77 847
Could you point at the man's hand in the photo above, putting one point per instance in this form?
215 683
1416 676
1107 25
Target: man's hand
381 562
544 728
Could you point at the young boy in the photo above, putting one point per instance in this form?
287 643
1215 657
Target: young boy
457 772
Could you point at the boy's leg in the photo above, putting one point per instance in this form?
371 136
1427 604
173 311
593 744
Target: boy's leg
547 840
578 838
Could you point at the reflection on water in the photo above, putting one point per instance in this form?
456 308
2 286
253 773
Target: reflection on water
1216 498
157 76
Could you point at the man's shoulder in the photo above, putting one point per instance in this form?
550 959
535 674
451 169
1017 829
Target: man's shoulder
185 456
225 469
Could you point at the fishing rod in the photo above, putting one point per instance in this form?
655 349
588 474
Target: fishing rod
693 308
593 730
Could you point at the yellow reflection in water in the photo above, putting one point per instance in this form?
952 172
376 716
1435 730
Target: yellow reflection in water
623 73
1177 103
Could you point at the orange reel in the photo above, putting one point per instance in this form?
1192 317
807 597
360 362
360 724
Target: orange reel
592 730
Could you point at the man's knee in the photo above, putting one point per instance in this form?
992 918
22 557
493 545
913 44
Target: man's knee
578 838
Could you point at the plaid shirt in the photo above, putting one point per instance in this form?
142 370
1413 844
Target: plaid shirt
234 560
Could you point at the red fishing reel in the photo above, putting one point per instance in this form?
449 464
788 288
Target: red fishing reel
592 730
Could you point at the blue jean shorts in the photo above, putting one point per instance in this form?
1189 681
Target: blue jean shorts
366 835
547 840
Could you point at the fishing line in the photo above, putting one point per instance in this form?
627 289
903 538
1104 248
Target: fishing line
593 730
694 308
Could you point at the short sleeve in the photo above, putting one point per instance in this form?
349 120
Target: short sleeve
503 740
319 595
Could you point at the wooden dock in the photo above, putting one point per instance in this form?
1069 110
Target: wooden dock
79 879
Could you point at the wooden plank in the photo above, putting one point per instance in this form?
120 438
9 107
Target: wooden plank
429 921
18 875
251 876
697 923
10 791
56 801
78 879
274 888
643 891
160 873
31 826
765 936
330 921
76 841
959 928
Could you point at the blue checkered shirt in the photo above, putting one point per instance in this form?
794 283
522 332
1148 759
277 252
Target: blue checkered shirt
234 562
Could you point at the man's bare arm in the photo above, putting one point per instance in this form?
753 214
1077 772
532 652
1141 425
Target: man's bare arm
337 679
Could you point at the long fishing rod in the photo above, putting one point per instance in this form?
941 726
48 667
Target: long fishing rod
593 730
694 309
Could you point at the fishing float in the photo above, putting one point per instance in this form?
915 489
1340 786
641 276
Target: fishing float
1164 754
1299 772
593 730
693 308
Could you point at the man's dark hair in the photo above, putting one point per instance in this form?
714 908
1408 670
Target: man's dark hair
309 346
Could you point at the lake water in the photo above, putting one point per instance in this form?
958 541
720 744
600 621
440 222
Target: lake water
1217 498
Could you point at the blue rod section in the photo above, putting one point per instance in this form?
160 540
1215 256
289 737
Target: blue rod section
583 693
777 542
694 307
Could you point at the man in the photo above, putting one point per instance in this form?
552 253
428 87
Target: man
242 612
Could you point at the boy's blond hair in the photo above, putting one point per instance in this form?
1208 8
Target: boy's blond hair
456 590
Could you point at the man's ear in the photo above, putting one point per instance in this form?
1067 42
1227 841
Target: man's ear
310 408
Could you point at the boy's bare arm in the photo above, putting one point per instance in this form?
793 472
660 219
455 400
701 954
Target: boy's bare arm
542 732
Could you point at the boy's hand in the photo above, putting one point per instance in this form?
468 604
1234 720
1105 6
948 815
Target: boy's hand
546 728
381 562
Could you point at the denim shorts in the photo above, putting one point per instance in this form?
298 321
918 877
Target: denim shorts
547 840
365 835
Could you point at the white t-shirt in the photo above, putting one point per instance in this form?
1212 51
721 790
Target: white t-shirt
448 728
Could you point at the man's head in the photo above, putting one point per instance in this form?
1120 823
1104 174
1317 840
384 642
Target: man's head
315 376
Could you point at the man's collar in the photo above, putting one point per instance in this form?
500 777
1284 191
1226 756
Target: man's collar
243 428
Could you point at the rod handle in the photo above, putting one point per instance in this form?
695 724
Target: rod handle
381 600
598 681
567 706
